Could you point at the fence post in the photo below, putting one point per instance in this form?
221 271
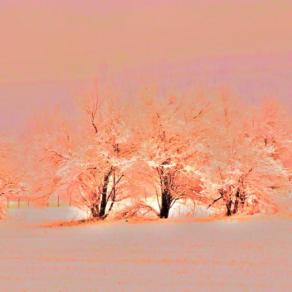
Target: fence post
58 201
18 203
7 202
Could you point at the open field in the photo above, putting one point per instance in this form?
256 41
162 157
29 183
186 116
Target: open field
250 255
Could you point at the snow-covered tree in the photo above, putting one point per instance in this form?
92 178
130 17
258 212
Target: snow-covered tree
243 172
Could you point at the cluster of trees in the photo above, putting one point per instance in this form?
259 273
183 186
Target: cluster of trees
126 158
11 185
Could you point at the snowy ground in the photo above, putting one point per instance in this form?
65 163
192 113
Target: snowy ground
253 255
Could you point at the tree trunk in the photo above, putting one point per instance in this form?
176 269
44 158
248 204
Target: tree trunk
165 204
94 211
228 207
103 202
236 205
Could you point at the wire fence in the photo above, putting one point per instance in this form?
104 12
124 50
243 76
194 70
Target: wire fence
36 202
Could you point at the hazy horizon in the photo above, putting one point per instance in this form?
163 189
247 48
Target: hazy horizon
54 50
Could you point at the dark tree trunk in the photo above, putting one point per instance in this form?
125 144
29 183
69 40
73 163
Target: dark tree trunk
166 184
165 204
103 202
229 207
94 211
236 203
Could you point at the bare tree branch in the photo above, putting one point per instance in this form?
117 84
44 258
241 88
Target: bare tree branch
221 197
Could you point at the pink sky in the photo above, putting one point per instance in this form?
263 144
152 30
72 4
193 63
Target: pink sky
51 49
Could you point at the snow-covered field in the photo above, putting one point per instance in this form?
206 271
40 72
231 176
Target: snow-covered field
251 255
